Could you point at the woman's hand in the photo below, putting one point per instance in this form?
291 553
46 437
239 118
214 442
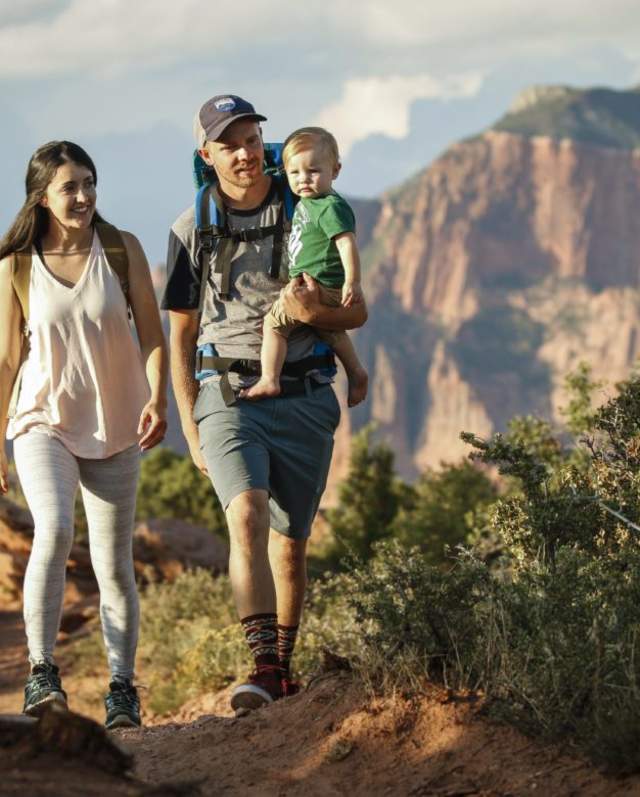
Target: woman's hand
4 472
153 425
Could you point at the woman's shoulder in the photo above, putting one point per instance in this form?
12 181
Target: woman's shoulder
9 261
128 239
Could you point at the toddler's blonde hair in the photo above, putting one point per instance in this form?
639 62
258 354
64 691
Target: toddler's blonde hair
310 138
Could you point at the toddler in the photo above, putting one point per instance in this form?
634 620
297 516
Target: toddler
322 245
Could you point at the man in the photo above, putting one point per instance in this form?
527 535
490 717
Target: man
268 460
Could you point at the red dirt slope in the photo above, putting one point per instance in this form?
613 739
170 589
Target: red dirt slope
335 740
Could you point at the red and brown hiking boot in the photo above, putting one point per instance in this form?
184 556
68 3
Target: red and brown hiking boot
289 687
263 686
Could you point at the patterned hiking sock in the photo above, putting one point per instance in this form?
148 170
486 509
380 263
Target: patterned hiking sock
287 635
262 637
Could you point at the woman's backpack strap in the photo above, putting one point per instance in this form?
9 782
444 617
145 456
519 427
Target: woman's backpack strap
21 279
116 253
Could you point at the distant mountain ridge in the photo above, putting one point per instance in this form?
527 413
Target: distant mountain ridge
601 116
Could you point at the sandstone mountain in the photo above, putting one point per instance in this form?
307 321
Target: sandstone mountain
494 271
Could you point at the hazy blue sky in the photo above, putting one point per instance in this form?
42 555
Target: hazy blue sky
395 80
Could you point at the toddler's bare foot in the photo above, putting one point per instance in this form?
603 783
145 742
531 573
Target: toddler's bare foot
358 385
263 388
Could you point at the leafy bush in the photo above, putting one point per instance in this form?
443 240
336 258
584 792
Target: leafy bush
369 500
442 509
172 487
551 637
375 505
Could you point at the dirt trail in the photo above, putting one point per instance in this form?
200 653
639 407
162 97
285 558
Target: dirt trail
12 662
330 740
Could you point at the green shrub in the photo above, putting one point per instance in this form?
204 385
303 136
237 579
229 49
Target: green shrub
368 501
442 509
172 487
553 650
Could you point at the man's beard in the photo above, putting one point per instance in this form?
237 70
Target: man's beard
244 181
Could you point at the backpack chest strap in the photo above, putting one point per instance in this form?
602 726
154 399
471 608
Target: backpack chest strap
214 233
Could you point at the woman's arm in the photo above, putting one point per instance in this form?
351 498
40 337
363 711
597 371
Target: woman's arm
10 349
301 300
153 419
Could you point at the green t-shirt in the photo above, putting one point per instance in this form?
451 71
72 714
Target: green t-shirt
312 249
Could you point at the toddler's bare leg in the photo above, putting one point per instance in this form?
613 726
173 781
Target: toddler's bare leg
356 374
272 356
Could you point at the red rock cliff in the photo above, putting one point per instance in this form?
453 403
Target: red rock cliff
490 275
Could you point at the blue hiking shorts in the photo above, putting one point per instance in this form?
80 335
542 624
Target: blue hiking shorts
281 445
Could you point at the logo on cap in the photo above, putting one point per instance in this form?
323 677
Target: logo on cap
225 104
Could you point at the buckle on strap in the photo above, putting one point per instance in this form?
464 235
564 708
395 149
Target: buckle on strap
206 237
252 234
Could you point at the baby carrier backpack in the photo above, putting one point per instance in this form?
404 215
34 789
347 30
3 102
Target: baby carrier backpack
212 231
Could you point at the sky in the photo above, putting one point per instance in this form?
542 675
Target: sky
396 82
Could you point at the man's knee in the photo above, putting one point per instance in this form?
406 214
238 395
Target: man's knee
248 519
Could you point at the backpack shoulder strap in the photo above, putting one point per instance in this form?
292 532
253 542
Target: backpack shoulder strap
21 279
207 229
116 253
283 224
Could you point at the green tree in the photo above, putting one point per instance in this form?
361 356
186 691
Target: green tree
443 509
172 487
579 414
369 500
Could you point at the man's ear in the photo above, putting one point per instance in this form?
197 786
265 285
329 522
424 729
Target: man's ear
206 157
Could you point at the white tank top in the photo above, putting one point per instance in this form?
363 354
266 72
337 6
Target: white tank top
83 381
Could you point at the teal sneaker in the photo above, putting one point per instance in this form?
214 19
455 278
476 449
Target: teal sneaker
122 705
43 687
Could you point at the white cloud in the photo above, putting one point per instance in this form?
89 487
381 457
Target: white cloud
53 37
382 105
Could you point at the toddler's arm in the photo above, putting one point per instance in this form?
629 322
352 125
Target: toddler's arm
348 251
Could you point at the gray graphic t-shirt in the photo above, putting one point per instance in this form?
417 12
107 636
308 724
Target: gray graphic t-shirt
234 325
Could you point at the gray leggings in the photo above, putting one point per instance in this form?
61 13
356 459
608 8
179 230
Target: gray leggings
49 475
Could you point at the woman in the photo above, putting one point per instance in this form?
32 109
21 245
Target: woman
85 407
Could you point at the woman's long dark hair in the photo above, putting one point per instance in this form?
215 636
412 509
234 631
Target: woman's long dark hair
32 220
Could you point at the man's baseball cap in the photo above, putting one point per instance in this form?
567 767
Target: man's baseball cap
218 113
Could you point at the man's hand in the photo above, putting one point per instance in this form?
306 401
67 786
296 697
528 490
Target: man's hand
301 300
193 441
352 294
301 297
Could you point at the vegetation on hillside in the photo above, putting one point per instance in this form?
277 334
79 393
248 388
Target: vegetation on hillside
529 595
524 586
604 117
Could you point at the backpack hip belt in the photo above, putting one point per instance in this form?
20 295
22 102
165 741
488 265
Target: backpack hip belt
299 370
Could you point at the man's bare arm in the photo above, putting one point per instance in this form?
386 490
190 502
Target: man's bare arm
183 337
302 302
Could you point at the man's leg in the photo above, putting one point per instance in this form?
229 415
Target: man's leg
255 597
288 558
249 571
